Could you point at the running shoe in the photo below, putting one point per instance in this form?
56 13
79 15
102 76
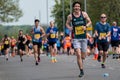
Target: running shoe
81 74
36 63
103 66
99 58
114 56
6 59
21 60
55 60
52 60
38 59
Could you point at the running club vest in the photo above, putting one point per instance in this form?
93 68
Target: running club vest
21 39
37 34
6 41
78 23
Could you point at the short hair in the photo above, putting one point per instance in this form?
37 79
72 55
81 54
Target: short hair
5 36
76 3
37 20
20 30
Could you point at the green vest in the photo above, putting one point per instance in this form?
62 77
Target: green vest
78 23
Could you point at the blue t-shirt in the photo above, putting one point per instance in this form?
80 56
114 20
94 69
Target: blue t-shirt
102 30
45 45
67 31
52 36
115 31
58 43
37 35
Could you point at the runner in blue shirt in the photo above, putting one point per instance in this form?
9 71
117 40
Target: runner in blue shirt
102 31
115 31
37 34
52 35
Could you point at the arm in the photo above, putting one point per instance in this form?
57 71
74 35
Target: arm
96 30
32 31
57 33
18 40
87 18
96 33
25 39
43 32
9 40
69 18
108 34
109 31
47 33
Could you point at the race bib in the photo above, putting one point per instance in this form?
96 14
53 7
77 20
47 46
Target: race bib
102 34
6 42
2 46
37 36
52 35
79 30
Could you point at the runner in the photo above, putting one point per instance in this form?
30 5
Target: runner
115 31
21 44
52 35
102 31
13 44
61 42
6 43
38 33
78 19
67 44
27 44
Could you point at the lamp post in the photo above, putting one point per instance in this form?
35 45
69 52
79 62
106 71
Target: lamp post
47 10
63 9
85 6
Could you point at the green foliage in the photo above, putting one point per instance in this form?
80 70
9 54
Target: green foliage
9 10
13 30
111 8
94 9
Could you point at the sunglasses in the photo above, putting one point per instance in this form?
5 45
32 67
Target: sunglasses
102 17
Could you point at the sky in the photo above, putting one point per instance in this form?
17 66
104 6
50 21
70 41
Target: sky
34 9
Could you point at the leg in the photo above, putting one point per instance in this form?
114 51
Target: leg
55 52
21 54
39 52
27 50
105 53
77 46
36 53
6 53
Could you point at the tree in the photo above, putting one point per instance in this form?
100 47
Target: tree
111 8
57 11
94 8
9 10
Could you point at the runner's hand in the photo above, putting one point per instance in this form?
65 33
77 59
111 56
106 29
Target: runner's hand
99 38
103 37
70 28
23 42
84 28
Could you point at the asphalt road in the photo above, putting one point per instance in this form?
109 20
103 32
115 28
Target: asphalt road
65 69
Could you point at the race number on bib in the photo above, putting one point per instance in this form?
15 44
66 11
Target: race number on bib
102 34
79 30
6 42
52 35
37 36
